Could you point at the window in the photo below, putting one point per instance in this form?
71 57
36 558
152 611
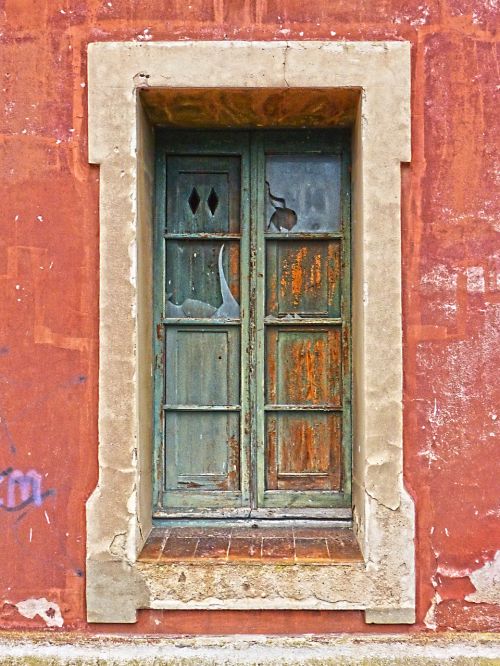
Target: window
133 87
252 295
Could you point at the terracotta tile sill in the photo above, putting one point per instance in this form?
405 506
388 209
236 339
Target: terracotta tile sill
285 545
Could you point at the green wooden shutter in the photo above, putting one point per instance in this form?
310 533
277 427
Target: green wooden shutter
304 314
201 388
252 294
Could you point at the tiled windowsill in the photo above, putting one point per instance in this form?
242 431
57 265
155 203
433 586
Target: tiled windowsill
247 545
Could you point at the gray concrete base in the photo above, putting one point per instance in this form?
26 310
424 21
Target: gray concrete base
338 650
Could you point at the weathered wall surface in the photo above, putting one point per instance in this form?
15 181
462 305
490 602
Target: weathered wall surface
49 269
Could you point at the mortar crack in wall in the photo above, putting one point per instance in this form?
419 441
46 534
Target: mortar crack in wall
285 54
117 545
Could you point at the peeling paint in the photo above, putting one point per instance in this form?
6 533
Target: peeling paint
49 611
486 580
430 617
475 279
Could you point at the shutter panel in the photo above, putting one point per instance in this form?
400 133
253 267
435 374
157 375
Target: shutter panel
306 307
201 458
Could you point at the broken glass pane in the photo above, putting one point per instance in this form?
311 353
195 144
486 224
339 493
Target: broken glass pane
302 193
202 280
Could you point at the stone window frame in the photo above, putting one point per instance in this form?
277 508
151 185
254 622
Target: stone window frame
119 511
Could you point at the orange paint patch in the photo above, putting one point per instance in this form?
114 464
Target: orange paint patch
297 274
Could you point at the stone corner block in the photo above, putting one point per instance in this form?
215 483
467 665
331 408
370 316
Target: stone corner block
114 592
390 616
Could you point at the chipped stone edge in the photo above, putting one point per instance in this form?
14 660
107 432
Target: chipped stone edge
118 511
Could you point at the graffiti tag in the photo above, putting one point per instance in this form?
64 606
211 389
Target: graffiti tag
22 489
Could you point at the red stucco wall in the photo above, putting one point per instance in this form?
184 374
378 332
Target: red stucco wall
49 269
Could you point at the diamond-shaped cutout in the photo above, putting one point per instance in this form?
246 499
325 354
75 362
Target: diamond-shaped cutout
194 200
213 201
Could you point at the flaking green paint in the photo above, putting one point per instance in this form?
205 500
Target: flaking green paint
245 495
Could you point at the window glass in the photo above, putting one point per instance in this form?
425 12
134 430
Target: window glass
303 193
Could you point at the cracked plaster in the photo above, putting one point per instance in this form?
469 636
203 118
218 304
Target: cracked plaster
118 512
486 580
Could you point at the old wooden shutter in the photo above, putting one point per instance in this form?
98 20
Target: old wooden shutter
201 390
304 306
252 392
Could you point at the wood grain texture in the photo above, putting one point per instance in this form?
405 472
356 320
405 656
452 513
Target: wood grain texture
284 545
273 107
303 278
304 366
304 451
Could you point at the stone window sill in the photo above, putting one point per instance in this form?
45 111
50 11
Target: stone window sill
248 545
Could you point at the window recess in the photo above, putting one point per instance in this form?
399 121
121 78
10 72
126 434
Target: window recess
252 336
